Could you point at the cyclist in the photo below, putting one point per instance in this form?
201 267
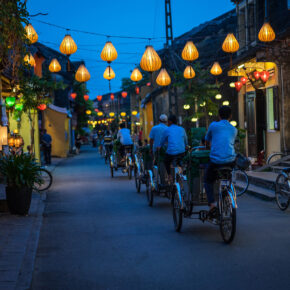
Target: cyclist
176 139
221 137
124 137
108 142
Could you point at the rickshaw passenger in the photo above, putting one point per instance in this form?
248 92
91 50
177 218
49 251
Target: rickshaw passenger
221 137
124 137
176 139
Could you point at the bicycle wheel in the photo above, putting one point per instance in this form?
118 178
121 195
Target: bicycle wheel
177 212
137 180
149 191
240 181
112 171
275 157
46 178
282 191
227 218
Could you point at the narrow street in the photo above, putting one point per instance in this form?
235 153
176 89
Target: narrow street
98 233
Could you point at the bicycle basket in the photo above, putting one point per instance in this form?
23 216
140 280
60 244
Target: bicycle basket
242 162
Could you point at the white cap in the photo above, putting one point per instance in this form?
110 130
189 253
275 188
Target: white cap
163 118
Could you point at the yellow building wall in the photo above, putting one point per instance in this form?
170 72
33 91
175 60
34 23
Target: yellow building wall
148 118
25 131
57 126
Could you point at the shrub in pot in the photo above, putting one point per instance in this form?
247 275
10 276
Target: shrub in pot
21 172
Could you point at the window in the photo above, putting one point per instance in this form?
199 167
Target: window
272 109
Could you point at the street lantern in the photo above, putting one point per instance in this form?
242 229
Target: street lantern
150 60
18 141
189 72
112 97
88 112
68 46
124 94
218 96
226 103
264 75
11 141
31 33
109 52
189 52
194 119
186 107
136 75
256 75
234 123
19 107
137 90
73 95
134 113
243 80
86 97
99 98
266 33
29 59
109 74
82 74
230 44
111 114
238 86
10 101
54 66
41 107
123 114
232 84
163 78
216 69
100 114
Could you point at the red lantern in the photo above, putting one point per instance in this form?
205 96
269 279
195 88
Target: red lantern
112 97
243 80
73 95
264 75
124 94
41 107
148 84
137 90
86 97
238 86
99 98
256 75
97 110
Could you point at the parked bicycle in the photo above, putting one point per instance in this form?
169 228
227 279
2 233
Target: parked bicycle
46 178
240 180
282 189
276 156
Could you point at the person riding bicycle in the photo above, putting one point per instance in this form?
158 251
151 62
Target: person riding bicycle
124 137
221 137
108 142
176 139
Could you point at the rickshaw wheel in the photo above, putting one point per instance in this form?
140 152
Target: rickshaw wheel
112 172
130 172
149 192
177 212
227 219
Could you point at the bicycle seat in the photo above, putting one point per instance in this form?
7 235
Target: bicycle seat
224 172
286 169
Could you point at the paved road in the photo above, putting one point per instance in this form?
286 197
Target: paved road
98 233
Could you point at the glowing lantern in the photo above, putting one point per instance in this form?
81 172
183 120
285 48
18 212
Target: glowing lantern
218 96
10 101
266 33
86 97
190 52
41 107
100 114
31 33
189 72
18 141
234 123
186 107
194 119
109 74
111 114
163 78
99 98
109 52
112 97
216 69
124 94
134 113
150 60
232 85
137 90
148 84
203 104
19 107
54 66
123 114
238 86
88 112
256 75
264 75
82 74
68 46
226 103
210 113
11 141
136 75
243 80
96 110
230 44
29 59
73 95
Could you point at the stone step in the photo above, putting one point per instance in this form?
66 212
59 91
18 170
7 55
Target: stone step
277 169
264 180
284 163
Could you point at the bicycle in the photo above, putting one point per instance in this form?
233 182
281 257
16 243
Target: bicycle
240 180
282 189
47 179
276 156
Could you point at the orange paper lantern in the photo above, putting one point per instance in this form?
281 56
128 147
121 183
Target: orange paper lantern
230 44
238 86
124 94
73 95
112 97
266 33
264 75
190 52
150 60
86 97
41 107
99 98
216 69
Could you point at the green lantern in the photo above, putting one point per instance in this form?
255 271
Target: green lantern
10 101
19 107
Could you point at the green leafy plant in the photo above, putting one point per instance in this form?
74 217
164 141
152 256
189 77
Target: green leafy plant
20 171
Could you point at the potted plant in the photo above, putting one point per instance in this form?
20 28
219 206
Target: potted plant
21 172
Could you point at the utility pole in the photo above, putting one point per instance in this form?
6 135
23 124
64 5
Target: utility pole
168 23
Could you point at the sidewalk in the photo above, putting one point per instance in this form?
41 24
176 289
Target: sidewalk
19 241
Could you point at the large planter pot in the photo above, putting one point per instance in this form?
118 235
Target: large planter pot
18 199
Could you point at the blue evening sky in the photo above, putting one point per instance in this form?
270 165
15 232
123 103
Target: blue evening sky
138 18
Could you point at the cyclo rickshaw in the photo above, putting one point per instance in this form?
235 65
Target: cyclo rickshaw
118 161
188 193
